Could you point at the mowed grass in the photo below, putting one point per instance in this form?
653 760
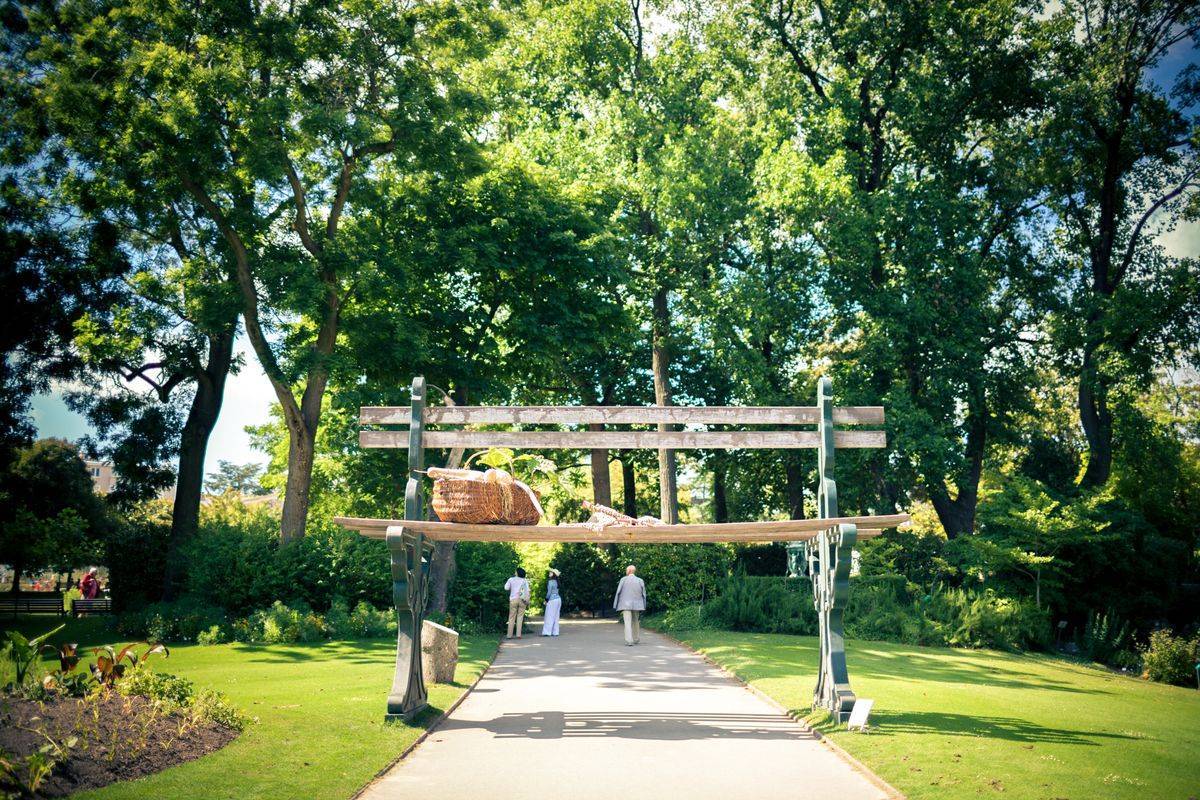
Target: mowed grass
319 732
965 723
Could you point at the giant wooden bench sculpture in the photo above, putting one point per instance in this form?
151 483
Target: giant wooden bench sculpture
825 543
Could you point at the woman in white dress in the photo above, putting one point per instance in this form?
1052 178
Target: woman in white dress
553 603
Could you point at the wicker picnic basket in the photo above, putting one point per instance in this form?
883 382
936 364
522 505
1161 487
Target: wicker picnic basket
464 500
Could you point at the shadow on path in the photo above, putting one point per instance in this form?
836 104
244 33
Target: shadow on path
646 726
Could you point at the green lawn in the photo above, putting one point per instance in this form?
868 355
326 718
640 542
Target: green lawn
957 723
320 730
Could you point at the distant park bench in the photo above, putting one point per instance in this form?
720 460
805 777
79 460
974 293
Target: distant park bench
820 548
43 603
99 605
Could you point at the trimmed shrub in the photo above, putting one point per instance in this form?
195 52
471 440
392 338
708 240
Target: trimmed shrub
675 574
236 561
1168 658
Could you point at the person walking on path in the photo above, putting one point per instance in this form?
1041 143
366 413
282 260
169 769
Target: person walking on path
553 603
631 602
518 601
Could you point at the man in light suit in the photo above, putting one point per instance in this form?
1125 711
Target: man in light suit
631 602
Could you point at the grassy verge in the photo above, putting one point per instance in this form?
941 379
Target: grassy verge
320 729
954 723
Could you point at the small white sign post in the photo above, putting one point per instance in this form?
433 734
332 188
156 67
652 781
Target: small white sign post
858 715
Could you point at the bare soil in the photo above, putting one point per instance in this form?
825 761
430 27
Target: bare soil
117 738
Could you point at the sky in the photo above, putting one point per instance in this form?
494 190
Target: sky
249 396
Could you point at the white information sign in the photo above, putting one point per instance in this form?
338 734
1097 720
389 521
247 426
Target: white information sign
858 715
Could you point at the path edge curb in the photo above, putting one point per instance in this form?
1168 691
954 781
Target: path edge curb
891 791
433 726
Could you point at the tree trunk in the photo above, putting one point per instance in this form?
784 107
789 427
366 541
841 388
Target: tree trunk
628 485
193 446
660 358
601 484
1096 419
793 473
720 502
301 450
16 584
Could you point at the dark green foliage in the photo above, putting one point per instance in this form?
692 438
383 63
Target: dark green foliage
675 574
589 577
135 552
1171 659
1105 639
181 621
883 607
761 559
768 605
477 593
49 515
238 563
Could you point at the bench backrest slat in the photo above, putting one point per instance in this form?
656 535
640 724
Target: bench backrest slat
622 440
622 415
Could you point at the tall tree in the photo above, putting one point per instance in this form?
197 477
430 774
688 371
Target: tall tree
902 169
1122 166
262 122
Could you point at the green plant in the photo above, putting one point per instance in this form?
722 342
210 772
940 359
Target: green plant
69 598
214 635
109 667
212 705
774 605
1104 638
535 471
364 622
72 684
21 777
23 652
171 690
180 621
1168 658
685 618
173 693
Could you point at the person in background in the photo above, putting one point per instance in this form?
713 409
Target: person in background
631 602
553 603
89 585
518 601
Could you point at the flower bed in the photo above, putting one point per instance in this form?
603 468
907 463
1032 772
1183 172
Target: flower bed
62 745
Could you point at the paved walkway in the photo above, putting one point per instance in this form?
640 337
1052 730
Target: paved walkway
583 716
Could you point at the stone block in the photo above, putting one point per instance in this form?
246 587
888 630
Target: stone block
439 652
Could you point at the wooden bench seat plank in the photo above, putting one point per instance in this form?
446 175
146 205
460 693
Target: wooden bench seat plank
769 531
622 415
622 440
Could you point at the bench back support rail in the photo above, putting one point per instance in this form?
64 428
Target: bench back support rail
825 557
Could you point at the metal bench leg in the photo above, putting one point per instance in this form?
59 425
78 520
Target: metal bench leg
829 559
410 574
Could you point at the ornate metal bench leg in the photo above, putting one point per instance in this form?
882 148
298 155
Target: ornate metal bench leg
829 564
410 573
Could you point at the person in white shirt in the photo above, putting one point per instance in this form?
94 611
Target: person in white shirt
631 602
518 601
